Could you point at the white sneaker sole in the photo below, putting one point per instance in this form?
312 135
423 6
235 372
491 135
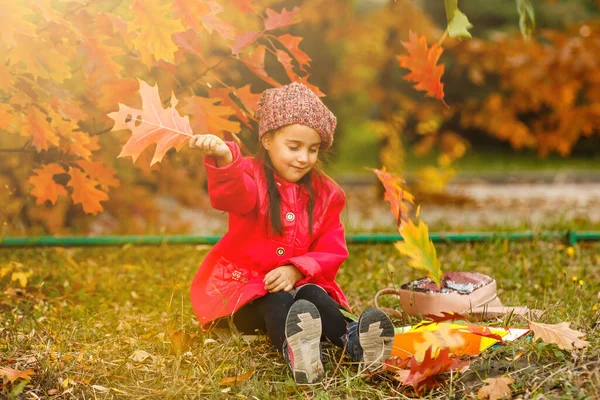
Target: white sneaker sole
376 337
303 333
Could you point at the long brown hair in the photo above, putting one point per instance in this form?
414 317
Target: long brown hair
274 213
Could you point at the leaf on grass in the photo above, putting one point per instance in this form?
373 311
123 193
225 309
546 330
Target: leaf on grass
434 342
443 317
419 249
141 356
22 277
427 371
421 62
484 331
236 379
12 375
496 388
153 124
180 340
395 194
44 186
560 334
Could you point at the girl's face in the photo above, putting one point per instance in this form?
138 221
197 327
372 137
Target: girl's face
293 150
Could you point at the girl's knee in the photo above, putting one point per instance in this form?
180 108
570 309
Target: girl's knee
311 291
281 298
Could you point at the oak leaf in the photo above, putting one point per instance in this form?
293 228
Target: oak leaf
226 101
255 61
434 341
188 41
99 171
40 59
285 18
234 380
212 22
422 61
11 375
153 124
291 43
191 13
419 248
559 334
37 127
154 39
443 317
44 186
395 194
12 21
85 191
427 371
286 62
244 40
248 99
496 388
208 116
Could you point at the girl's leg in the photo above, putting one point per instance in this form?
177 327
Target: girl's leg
333 321
267 314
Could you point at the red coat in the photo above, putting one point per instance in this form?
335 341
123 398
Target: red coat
232 273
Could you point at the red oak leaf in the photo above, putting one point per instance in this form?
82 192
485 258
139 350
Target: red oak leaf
421 62
427 371
153 124
286 61
285 18
395 194
244 40
291 43
256 62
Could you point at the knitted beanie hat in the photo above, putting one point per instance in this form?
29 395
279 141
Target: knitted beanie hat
294 104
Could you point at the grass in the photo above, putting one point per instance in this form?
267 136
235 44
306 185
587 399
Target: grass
104 323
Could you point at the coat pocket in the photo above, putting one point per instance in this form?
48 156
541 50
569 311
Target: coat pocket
227 277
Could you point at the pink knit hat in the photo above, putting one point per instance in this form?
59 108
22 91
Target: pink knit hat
295 104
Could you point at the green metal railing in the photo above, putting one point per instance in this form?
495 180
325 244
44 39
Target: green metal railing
571 237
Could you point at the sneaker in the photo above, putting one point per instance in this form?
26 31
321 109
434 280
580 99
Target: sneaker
302 347
370 341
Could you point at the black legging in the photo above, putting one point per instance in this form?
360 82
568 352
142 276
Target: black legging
268 313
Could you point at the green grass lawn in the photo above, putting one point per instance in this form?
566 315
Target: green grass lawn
104 323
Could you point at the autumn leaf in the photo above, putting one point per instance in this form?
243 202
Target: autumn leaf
189 41
208 116
85 191
213 23
444 337
180 340
560 334
255 61
10 26
100 172
395 194
244 40
11 375
191 13
427 371
22 277
153 124
496 388
248 99
44 186
291 43
286 61
443 317
419 249
483 331
243 5
285 18
154 38
36 126
459 25
234 380
422 61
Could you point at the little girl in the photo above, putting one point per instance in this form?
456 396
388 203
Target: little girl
275 268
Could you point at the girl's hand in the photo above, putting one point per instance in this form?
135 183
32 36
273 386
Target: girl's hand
282 278
213 146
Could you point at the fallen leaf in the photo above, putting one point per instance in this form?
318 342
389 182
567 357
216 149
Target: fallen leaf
11 375
22 277
559 334
427 371
180 340
496 388
140 355
236 379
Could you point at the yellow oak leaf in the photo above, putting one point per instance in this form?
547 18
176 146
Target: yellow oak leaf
419 249
155 27
85 191
559 334
11 14
22 277
44 186
36 126
496 388
40 59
